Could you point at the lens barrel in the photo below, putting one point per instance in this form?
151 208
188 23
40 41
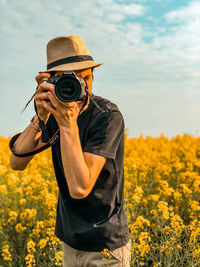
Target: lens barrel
68 89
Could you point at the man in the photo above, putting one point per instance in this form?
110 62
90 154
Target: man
88 160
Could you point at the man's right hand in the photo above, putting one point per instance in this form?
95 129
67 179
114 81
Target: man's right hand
41 95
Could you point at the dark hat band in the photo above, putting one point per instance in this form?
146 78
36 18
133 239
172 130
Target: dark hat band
67 60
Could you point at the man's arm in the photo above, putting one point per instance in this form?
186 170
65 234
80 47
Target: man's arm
26 142
30 137
81 169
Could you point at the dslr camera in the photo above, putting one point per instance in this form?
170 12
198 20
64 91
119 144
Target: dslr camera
68 86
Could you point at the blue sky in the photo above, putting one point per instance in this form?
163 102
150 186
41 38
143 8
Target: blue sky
151 51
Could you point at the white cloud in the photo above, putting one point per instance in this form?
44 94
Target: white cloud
132 67
132 9
185 35
185 14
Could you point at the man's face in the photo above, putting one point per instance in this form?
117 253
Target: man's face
84 74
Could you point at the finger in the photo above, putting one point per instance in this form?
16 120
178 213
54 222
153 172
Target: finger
45 87
40 105
41 96
49 108
54 100
58 104
60 107
70 104
41 76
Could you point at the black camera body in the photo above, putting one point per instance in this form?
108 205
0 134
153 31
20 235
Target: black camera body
68 87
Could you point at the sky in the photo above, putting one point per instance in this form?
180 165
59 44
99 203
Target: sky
150 50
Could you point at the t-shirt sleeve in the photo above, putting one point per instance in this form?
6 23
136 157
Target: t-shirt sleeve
12 141
105 135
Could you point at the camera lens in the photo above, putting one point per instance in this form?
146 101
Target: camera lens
68 89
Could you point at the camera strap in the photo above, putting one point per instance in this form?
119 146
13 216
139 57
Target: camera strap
45 134
51 142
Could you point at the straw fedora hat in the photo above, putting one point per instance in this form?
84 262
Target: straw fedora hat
68 54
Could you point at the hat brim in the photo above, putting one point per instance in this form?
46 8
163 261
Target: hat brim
74 66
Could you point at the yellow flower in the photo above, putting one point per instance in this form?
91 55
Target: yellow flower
12 179
143 246
196 183
138 190
154 197
194 205
144 236
12 216
30 260
177 224
154 212
196 253
22 201
6 252
106 254
179 247
144 202
3 170
167 230
19 228
28 216
30 246
42 243
165 189
59 258
3 190
177 196
186 190
163 209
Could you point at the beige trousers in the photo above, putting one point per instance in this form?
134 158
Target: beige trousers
120 257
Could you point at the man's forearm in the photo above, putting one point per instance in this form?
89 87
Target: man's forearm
76 171
27 141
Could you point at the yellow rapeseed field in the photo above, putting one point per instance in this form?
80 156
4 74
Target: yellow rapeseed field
162 194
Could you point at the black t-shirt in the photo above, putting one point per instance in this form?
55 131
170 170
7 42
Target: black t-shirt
97 221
